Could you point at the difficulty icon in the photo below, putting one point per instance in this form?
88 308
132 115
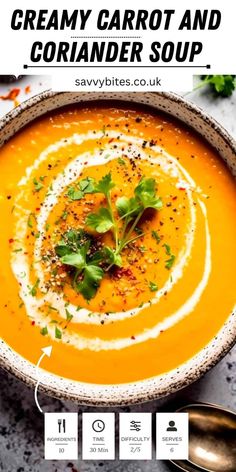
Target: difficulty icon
135 425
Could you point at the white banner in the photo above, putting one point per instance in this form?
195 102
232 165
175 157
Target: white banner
166 42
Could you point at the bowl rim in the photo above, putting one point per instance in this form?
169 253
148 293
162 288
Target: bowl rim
131 392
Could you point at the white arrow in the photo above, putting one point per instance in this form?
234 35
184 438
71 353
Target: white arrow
47 351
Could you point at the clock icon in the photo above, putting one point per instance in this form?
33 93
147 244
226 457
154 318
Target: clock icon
98 426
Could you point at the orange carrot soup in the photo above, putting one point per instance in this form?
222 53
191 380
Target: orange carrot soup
117 242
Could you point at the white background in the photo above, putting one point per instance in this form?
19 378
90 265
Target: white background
131 447
92 439
178 448
57 449
217 50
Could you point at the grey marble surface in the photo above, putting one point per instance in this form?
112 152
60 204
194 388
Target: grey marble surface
21 425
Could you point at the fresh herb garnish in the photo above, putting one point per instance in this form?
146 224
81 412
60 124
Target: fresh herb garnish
64 215
169 262
33 290
44 331
121 161
37 185
167 248
73 251
221 85
78 191
76 249
100 221
69 316
156 236
152 286
30 220
58 333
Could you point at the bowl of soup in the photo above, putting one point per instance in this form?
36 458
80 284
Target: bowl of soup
117 244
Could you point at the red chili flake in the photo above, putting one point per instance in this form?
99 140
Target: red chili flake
110 140
27 89
124 272
133 338
182 188
33 323
11 240
37 209
175 198
11 95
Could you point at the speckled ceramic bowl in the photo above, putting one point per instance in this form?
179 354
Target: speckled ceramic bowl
151 388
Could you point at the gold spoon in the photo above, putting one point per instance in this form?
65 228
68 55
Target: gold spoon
212 439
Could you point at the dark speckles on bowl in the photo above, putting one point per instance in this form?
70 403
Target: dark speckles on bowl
124 394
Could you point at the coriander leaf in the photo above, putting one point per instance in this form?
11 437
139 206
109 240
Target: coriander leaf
222 85
87 185
152 286
127 206
62 249
91 281
71 241
58 333
37 185
76 237
170 262
156 236
104 185
88 272
112 257
101 221
146 193
64 215
229 86
74 193
78 191
121 161
155 203
76 259
167 248
44 331
30 220
96 258
33 290
69 316
122 205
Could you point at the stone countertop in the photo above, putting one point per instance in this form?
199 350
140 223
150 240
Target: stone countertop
21 425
